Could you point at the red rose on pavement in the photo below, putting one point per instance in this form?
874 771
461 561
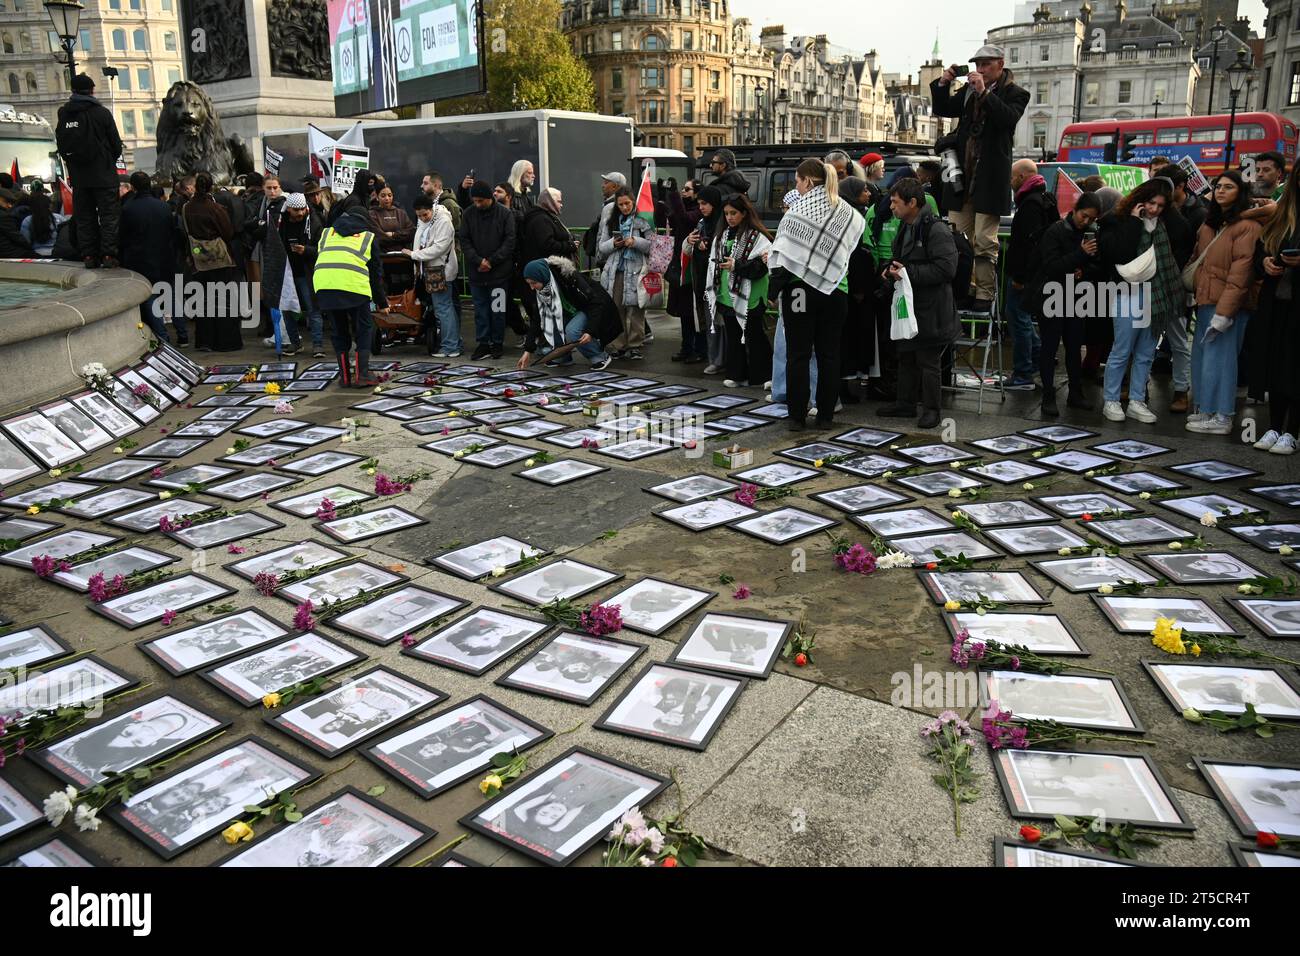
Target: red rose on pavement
1030 834
1085 516
1268 841
800 659
669 861
930 566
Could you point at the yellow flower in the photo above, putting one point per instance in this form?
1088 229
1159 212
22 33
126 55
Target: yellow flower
1175 546
230 450
453 413
221 388
370 471
1028 486
55 472
378 389
951 605
1145 496
1106 589
954 465
954 492
164 495
491 784
1196 650
1285 550
530 462
271 700
119 450
272 388
236 832
1168 638
139 325
34 510
817 463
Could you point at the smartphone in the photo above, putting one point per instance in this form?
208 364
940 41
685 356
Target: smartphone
1290 252
962 70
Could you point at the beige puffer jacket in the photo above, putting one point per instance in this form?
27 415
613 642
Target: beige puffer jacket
1226 279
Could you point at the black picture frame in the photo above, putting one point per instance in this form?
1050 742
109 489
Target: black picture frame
440 561
1001 845
260 455
159 559
723 486
415 623
47 635
677 617
149 648
1197 469
752 673
1001 758
1235 812
55 489
1124 448
927 484
888 496
127 467
132 520
980 551
509 679
1058 462
933 586
75 425
1253 534
1171 694
273 427
1058 434
62 449
953 621
589 469
936 453
879 437
1161 531
1051 568
421 787
20 529
622 450
222 591
1053 504
504 586
248 574
331 527
1025 471
753 474
306 468
267 524
1011 539
878 522
170 448
514 793
1245 607
88 858
280 481
348 658
517 453
78 509
985 514
177 480
1242 854
541 626
1104 604
18 797
22 557
1136 482
823 524
1166 564
1012 444
124 817
605 721
986 674
377 590
281 721
825 449
124 682
1287 494
356 496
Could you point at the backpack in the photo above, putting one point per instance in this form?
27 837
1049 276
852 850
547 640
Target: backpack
589 239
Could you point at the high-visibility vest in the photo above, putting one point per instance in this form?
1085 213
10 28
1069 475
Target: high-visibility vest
342 262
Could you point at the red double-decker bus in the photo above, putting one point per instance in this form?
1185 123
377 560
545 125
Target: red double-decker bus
1203 138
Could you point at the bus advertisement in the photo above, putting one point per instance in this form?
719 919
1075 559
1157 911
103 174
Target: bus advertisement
1203 139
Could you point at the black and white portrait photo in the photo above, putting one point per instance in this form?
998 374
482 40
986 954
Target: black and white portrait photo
339 584
149 603
359 709
1226 688
574 667
315 435
866 437
858 498
936 454
1131 449
1269 537
55 489
1288 495
1274 617
1201 567
1136 482
734 643
371 524
1076 462
16 811
119 470
530 429
1218 506
939 482
271 669
1089 573
1008 471
320 463
76 425
498 456
37 434
208 642
1006 444
478 641
1138 615
260 454
703 515
106 502
693 488
1095 703
815 450
276 426
1145 530
124 562
20 529
564 578
1036 539
561 472
207 534
1041 633
195 474
632 450
1058 434
249 486
991 514
1042 784
387 618
474 561
783 525
173 448
869 466
306 505
63 545
1004 587
653 605
105 414
888 524
1213 470
300 556
1072 506
64 685
30 645
442 750
148 519
674 705
1259 797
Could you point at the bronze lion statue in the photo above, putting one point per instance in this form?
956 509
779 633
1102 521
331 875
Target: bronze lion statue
190 138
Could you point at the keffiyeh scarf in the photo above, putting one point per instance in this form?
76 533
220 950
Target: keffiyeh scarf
815 240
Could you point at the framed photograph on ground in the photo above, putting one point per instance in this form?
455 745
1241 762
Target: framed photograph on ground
1013 853
250 486
1252 856
508 416
1008 471
125 562
1269 537
61 685
339 584
210 642
188 805
738 423
573 667
66 544
415 413
105 413
56 852
472 562
993 514
149 519
499 456
91 507
38 436
783 525
270 669
209 534
575 437
939 482
724 402
1213 470
734 644
561 579
1288 495
306 505
307 385
17 812
228 415
888 524
1136 482
45 493
693 488
320 464
363 707
193 475
219 401
198 429
858 498
385 619
1041 633
1259 797
1059 434
449 446
1201 567
1004 587
75 424
531 429
348 829
675 391
1131 449
1145 530
775 475
148 732
297 557
454 745
869 466
1006 444
926 548
172 448
673 704
653 605
1078 575
438 426
1040 784
382 405
1072 506
30 646
703 515
1076 462
1137 615
816 450
262 454
866 437
566 806
276 426
936 454
633 450
557 473
148 604
371 524
1228 688
20 529
478 641
119 470
124 383
1076 700
1273 617
1036 539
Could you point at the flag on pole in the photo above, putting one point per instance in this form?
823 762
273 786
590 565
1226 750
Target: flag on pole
65 197
1067 193
14 174
645 199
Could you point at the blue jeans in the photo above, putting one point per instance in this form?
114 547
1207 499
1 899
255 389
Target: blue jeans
778 366
155 322
1024 337
1214 363
1133 343
315 324
490 323
447 310
573 330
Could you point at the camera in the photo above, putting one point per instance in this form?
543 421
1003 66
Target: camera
962 70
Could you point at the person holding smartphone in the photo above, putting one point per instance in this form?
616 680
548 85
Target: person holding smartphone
300 229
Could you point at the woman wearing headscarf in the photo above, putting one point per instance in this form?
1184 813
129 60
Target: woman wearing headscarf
683 214
626 251
544 233
571 310
709 200
736 291
810 272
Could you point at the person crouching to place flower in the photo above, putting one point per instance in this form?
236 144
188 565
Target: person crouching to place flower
570 309
736 292
1226 295
1274 348
924 247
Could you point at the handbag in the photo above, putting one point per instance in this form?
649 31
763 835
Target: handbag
1189 270
435 277
206 254
1141 269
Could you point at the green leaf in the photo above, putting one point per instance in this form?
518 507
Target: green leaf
292 816
501 759
376 791
252 809
686 856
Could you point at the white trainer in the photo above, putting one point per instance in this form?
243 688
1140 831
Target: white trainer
1140 411
1285 445
1268 441
1214 425
1113 411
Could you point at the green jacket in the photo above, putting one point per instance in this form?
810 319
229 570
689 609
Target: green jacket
882 249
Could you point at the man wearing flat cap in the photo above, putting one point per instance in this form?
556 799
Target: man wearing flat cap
988 106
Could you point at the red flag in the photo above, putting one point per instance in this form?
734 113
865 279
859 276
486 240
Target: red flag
65 197
645 202
13 172
1067 193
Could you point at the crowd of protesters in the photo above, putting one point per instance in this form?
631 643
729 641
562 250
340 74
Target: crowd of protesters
811 312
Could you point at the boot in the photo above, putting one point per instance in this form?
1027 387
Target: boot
345 373
363 378
1050 408
1076 399
1179 405
849 391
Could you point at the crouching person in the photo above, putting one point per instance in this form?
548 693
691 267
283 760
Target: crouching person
571 310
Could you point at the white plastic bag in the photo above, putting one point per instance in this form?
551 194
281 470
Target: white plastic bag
902 310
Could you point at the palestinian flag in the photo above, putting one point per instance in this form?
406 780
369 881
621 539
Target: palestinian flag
645 199
65 197
14 174
1067 194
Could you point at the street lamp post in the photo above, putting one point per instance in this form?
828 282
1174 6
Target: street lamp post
1217 32
758 111
1237 74
1157 104
66 17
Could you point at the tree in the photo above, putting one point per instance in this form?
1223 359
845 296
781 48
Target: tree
530 64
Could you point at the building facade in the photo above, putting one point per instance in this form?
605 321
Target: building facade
1279 90
140 39
753 73
824 92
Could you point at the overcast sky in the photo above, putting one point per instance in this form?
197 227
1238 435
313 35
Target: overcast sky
903 31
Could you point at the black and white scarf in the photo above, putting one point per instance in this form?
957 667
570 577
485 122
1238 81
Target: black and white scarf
815 240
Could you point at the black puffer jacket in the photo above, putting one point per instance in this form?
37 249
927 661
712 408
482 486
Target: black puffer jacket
584 295
88 140
927 251
1035 210
544 235
488 234
1060 256
732 181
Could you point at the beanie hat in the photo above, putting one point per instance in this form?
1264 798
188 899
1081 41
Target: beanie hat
480 190
295 201
869 158
538 271
81 83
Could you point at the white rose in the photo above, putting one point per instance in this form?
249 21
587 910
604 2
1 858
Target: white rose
1106 589
1145 496
954 492
498 571
1064 552
164 495
1209 520
86 818
59 804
